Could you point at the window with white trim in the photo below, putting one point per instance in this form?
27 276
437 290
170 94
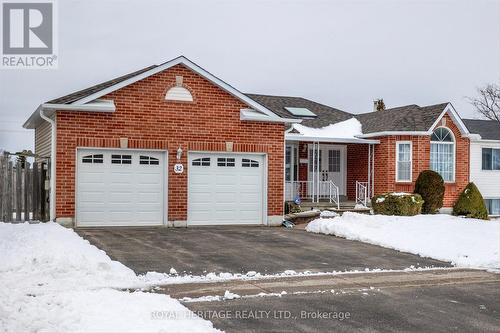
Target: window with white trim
491 159
493 206
403 161
333 160
225 162
97 158
443 153
248 163
121 159
202 161
148 160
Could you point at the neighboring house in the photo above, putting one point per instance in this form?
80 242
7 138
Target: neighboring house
173 144
485 160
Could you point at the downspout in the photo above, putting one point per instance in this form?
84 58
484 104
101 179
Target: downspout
52 201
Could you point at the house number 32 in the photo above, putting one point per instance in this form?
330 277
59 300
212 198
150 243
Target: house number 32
178 168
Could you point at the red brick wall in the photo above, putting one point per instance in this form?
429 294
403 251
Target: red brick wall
357 167
148 121
385 163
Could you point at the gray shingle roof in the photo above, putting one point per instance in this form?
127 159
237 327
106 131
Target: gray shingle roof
403 118
488 129
73 97
326 115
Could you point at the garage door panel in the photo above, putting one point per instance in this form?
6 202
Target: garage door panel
223 194
92 197
121 178
147 179
96 216
249 198
221 180
92 178
147 197
120 194
121 199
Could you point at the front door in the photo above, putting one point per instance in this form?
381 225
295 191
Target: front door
331 167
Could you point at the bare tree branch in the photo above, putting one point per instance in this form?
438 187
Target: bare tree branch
488 102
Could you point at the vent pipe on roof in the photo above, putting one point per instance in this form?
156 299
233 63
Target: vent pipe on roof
378 104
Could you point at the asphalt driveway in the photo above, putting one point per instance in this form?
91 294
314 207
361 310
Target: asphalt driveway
237 249
440 308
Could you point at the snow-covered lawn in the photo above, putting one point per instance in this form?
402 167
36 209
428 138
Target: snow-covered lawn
53 280
464 242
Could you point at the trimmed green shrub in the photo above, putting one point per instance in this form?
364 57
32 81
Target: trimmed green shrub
470 203
430 185
402 204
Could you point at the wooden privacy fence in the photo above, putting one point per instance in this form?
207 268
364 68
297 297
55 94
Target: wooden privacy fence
23 190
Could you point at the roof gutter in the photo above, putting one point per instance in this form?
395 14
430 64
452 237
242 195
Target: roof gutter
51 108
98 107
387 133
300 137
52 195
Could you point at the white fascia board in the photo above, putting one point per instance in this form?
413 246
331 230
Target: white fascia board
300 137
474 137
98 106
192 66
487 140
455 117
251 115
388 133
51 108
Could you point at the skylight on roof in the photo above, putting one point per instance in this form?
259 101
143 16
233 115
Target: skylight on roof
301 112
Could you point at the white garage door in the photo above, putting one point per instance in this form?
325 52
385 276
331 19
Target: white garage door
120 187
225 189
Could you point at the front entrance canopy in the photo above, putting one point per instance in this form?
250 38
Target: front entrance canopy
316 184
300 137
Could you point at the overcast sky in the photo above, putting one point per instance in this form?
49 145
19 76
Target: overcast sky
340 53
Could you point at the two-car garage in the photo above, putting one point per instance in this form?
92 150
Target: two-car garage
128 187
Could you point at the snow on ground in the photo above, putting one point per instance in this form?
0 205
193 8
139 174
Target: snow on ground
54 280
346 129
464 242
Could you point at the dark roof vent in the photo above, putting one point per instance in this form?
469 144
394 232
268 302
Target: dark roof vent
378 104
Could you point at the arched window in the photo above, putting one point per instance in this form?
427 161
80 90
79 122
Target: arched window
179 92
443 153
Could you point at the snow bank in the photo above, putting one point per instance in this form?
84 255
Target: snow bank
346 129
54 280
464 242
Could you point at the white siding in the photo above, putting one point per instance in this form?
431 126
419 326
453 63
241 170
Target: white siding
488 181
42 139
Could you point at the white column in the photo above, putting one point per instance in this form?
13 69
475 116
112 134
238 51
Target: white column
313 158
373 171
318 187
369 170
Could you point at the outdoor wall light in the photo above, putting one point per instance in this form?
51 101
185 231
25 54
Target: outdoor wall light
179 153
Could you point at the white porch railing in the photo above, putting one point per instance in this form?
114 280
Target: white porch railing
362 193
307 190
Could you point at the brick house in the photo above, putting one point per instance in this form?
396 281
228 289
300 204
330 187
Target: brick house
172 144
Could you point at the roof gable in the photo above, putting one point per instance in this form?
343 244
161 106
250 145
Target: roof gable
400 119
